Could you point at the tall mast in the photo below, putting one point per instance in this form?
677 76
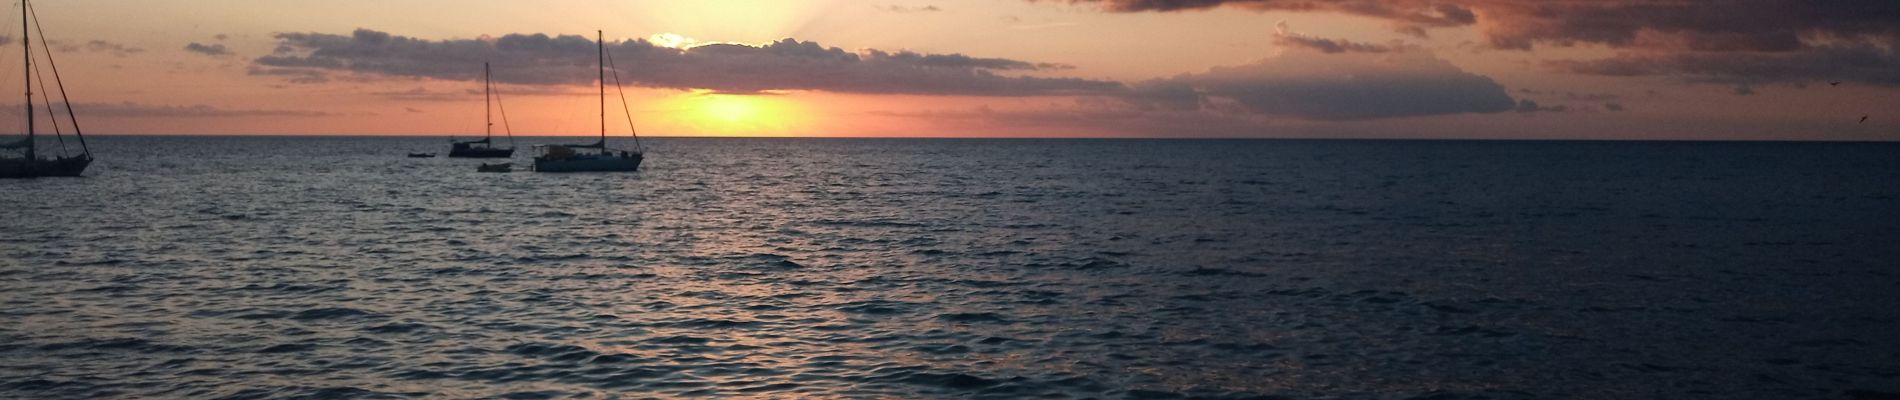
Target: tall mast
26 43
488 120
601 59
61 84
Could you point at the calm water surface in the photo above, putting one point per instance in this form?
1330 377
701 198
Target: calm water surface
772 268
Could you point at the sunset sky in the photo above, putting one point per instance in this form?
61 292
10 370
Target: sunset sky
1601 69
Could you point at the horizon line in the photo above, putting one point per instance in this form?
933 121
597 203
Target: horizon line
950 137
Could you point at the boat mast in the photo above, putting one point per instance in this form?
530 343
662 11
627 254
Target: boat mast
488 120
61 84
26 43
600 59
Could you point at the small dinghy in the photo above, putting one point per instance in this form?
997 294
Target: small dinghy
421 155
502 167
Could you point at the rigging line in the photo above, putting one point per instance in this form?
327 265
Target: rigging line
623 105
504 116
59 83
51 115
26 54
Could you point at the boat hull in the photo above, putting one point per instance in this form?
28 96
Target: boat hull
594 163
472 152
24 168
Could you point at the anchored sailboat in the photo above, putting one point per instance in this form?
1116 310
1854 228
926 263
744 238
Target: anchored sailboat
27 162
485 148
595 157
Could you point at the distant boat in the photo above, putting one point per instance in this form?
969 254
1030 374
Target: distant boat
26 162
595 157
421 155
485 148
502 167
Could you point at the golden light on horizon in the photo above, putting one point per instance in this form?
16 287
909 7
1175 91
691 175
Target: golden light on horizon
729 109
738 114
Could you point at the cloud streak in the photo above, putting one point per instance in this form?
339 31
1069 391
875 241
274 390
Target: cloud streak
138 110
1284 36
788 64
214 49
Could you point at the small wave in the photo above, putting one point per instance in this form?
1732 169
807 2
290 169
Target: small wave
681 339
944 349
395 328
711 324
1470 331
108 261
330 313
557 352
287 288
288 348
957 381
109 289
877 307
868 223
984 317
141 345
1204 271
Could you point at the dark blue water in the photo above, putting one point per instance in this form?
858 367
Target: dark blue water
774 268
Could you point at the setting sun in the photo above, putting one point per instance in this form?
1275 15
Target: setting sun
730 109
729 114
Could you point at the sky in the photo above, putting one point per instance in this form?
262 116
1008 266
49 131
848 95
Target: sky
1463 69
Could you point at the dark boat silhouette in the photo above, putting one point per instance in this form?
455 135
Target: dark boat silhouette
421 155
485 148
595 157
26 161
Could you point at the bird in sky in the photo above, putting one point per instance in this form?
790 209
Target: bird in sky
1834 83
1863 119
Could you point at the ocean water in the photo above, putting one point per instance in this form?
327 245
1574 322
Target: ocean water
221 267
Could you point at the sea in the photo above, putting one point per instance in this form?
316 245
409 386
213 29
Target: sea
337 268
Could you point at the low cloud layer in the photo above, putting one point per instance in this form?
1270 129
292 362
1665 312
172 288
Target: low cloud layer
789 64
1332 83
139 110
95 46
1866 64
1728 41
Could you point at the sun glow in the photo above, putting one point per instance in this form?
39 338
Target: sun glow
729 109
672 40
738 114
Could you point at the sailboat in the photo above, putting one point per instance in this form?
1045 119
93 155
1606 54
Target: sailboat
595 157
27 161
485 148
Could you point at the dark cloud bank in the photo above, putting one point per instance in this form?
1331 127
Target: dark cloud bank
1736 42
1311 84
1318 78
567 59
